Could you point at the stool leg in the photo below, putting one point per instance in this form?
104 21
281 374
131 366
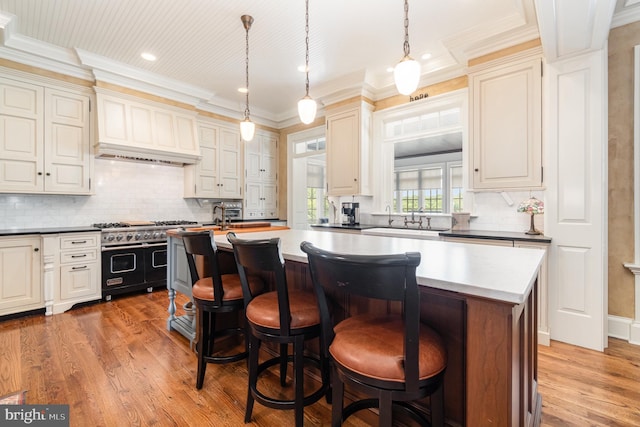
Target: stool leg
437 407
337 399
385 409
298 369
202 346
212 333
254 349
283 364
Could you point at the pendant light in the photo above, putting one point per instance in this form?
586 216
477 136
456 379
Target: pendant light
407 71
247 127
307 106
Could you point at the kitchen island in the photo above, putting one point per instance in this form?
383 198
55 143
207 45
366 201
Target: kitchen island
482 301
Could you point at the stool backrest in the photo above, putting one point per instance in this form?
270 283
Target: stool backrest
202 244
384 277
263 256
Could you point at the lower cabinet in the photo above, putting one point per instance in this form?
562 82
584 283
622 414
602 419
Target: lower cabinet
72 270
544 333
20 274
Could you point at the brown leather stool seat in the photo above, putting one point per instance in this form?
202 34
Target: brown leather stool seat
392 357
373 346
283 316
219 293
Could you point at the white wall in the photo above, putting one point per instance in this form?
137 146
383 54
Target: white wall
123 191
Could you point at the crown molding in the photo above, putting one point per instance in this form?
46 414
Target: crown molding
630 13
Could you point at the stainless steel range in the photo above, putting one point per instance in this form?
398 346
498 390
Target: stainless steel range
134 255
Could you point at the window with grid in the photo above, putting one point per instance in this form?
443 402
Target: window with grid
317 202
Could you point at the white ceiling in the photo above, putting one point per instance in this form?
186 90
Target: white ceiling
200 44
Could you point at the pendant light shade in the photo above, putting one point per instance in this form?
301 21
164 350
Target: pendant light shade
307 109
247 127
407 73
307 106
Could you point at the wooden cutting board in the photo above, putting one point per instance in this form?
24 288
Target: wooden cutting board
137 223
253 224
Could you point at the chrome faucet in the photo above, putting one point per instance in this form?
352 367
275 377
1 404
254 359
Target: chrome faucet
389 209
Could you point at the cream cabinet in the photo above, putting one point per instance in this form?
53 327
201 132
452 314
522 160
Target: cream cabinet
506 125
261 177
349 150
544 335
218 173
45 139
20 274
136 127
72 270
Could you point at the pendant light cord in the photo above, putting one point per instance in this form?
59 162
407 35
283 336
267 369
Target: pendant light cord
407 49
306 29
246 110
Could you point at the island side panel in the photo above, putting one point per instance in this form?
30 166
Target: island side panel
501 363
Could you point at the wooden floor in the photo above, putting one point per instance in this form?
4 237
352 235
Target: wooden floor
115 364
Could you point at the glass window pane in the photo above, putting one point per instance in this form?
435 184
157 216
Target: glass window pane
429 121
450 117
300 147
408 180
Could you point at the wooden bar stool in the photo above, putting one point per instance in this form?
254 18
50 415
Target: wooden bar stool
284 316
221 292
392 357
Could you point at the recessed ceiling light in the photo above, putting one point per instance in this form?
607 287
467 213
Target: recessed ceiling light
426 56
242 90
148 56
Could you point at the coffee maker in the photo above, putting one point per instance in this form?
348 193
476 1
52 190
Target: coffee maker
350 213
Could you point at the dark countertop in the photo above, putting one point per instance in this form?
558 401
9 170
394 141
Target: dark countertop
496 235
346 227
52 230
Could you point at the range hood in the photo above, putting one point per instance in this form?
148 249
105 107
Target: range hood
131 154
142 130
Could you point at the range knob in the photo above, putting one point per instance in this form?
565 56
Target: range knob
146 235
163 235
156 235
138 236
129 236
119 237
110 237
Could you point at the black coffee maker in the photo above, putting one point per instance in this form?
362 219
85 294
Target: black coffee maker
350 213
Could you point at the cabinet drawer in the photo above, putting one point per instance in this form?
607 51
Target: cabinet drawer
80 241
82 256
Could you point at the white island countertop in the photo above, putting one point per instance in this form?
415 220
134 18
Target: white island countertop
494 272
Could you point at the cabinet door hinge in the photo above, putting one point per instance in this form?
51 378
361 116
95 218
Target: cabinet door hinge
541 69
541 173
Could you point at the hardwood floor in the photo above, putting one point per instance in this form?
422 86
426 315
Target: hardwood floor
115 364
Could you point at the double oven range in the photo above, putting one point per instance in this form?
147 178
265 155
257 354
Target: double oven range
134 255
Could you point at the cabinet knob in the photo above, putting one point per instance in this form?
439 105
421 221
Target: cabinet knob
48 174
40 173
476 169
36 249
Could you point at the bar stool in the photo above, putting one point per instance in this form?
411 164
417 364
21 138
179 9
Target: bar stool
284 316
392 357
221 292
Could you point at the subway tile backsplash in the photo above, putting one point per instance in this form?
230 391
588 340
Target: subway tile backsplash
123 191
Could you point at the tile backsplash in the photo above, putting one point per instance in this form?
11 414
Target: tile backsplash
123 191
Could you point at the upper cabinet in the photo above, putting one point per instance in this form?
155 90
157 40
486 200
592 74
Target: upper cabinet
506 125
45 138
136 127
218 174
348 150
261 177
